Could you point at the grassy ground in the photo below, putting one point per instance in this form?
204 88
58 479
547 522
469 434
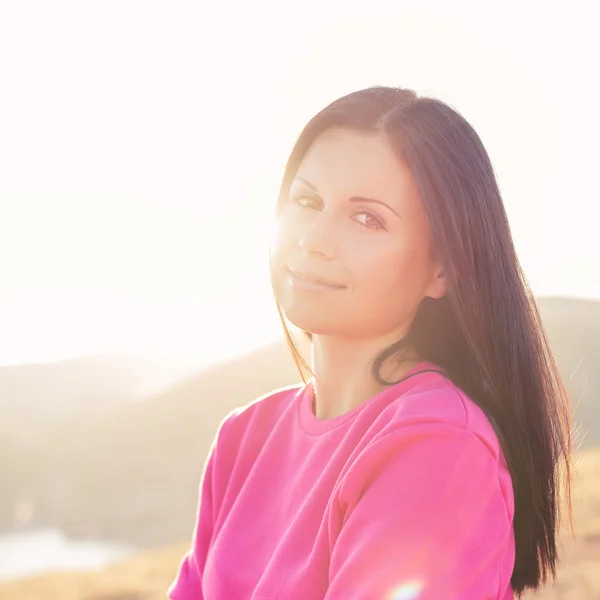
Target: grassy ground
144 577
147 576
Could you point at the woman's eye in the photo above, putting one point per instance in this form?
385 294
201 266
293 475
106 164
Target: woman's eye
365 219
305 201
369 220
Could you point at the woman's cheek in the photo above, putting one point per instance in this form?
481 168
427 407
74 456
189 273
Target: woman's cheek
282 240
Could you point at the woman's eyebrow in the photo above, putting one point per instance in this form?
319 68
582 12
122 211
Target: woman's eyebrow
306 183
353 198
372 200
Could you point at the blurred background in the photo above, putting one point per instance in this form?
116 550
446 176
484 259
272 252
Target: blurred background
141 148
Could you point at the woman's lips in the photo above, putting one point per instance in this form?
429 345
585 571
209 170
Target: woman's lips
302 279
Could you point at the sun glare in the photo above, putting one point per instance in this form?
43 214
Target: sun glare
411 590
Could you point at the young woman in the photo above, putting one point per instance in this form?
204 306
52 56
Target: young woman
426 456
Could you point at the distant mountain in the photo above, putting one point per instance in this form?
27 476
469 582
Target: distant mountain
37 397
83 457
573 328
131 473
146 456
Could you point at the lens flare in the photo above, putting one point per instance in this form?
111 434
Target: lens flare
411 590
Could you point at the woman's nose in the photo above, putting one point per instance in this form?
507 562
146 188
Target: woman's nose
317 238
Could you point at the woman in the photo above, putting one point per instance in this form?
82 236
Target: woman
424 459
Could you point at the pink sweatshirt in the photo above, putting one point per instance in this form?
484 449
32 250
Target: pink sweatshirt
406 497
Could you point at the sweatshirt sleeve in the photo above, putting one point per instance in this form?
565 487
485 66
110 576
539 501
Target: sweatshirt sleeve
426 513
188 582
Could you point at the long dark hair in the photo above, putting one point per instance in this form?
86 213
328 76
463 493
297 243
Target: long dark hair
486 332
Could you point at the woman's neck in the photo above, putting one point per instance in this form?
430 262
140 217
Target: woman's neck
343 372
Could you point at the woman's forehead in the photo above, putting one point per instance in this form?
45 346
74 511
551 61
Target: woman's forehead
357 163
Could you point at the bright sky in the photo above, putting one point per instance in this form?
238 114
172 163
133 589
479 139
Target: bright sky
142 142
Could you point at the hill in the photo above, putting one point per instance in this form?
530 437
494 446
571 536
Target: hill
37 397
573 328
119 472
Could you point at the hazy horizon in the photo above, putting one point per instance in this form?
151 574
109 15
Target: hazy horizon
183 339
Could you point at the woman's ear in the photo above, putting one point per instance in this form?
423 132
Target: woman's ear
438 286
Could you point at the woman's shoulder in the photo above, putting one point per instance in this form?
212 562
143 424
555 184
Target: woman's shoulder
425 426
434 402
264 408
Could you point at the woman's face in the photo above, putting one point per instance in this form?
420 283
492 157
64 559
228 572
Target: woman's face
351 253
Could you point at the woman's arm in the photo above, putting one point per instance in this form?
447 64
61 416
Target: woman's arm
427 514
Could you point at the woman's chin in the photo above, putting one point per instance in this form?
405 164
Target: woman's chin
308 321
